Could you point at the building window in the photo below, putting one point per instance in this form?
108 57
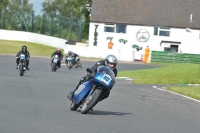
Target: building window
109 28
161 31
115 28
120 28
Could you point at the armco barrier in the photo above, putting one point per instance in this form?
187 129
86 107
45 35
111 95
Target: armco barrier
158 56
32 37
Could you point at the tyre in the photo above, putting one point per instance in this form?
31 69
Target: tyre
69 66
21 70
79 64
73 106
53 67
91 101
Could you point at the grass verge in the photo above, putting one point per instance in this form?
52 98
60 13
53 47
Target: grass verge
191 91
12 47
169 73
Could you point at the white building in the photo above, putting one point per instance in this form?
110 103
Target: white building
163 25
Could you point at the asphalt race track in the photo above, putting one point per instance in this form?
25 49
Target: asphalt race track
37 103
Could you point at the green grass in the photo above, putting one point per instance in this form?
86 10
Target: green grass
190 91
12 47
35 49
169 73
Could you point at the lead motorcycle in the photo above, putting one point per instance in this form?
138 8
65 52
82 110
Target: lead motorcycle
55 63
22 64
91 92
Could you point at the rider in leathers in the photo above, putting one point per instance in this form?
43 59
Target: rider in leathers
27 55
110 61
73 55
60 55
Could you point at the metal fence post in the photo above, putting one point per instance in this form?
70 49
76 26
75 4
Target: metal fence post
32 21
2 19
51 24
80 31
43 23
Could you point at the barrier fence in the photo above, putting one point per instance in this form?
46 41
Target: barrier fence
47 24
170 57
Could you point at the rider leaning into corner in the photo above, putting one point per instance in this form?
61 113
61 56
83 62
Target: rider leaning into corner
60 56
110 61
27 55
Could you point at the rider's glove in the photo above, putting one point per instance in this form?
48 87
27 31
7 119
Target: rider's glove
89 70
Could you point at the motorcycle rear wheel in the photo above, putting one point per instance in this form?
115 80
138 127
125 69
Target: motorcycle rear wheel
91 101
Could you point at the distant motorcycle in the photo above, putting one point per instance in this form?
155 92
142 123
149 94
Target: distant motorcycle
91 92
69 61
22 64
55 63
77 62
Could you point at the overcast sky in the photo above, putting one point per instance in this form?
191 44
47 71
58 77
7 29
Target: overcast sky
37 5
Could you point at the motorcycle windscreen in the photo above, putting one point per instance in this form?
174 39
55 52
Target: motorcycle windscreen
22 56
69 59
55 60
82 90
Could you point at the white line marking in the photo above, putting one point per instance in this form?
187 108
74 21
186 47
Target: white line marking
122 77
177 94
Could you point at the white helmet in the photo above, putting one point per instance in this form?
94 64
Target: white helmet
112 60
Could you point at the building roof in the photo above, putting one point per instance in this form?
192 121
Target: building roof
163 13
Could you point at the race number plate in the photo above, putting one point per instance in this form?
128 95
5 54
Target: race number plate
55 60
22 56
106 79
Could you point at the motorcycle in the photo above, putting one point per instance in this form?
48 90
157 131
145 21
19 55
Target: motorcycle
77 62
55 63
69 61
22 64
91 92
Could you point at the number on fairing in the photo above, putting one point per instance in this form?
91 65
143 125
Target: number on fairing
22 56
69 59
106 79
55 60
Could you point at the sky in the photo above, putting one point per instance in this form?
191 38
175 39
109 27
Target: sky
37 5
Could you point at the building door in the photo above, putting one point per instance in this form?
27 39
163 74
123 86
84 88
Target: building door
170 46
174 48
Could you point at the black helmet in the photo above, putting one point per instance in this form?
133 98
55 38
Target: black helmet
24 48
111 59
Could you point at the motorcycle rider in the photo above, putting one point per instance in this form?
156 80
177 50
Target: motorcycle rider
69 53
110 61
60 56
73 55
27 55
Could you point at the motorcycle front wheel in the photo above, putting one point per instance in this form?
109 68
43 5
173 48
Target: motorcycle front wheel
73 106
21 70
91 101
53 67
